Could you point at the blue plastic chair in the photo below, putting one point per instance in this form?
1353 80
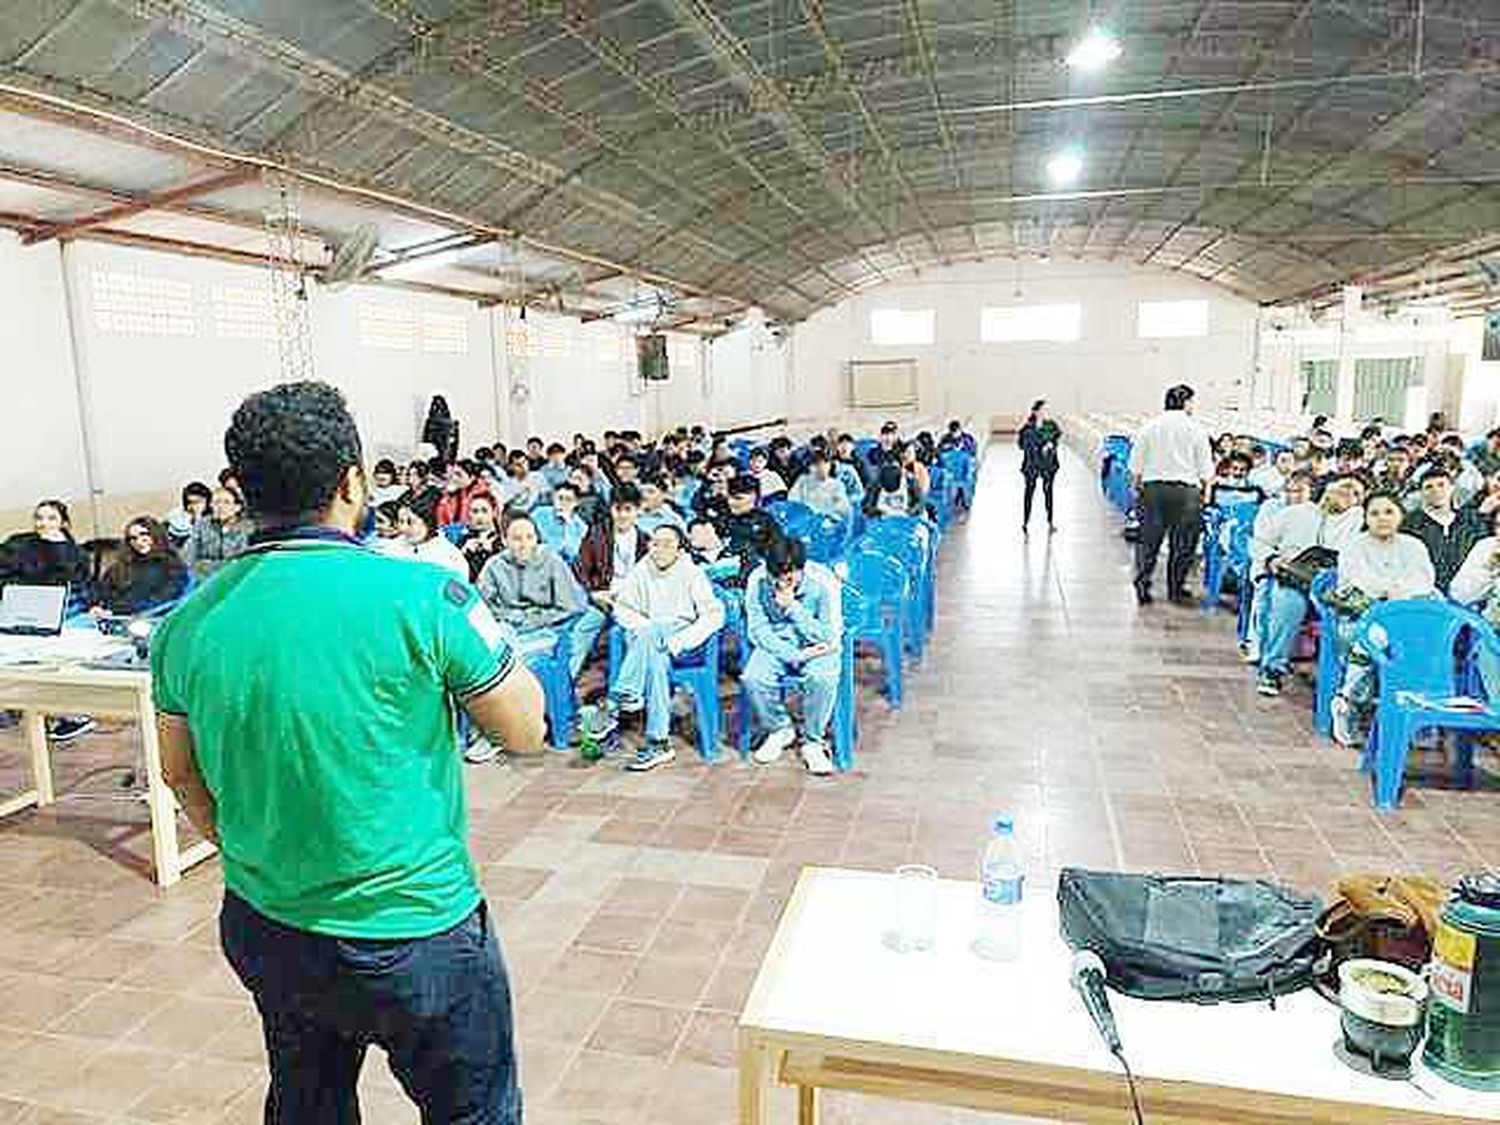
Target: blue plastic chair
962 468
698 672
829 538
795 519
548 525
454 532
876 590
550 666
940 496
1226 551
843 730
1330 668
911 540
1415 646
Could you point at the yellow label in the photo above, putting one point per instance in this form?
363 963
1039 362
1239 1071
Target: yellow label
1454 947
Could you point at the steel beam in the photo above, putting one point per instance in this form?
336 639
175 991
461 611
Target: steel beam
153 202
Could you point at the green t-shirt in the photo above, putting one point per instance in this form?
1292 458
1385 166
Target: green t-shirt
319 680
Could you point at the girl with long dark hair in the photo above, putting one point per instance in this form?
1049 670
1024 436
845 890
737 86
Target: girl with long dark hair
1038 439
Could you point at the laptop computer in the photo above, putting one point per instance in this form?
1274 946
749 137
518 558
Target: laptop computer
32 611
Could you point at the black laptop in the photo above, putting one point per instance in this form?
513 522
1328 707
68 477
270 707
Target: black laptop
32 611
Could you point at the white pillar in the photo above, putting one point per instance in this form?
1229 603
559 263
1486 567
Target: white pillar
1344 397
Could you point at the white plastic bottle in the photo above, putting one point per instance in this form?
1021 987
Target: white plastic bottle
1003 881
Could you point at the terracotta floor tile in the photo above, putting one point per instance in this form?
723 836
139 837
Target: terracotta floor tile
592 970
710 1039
631 1027
669 980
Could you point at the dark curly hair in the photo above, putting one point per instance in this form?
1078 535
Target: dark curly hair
289 446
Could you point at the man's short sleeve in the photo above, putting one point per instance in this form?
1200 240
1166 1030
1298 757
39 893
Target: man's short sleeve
474 654
166 687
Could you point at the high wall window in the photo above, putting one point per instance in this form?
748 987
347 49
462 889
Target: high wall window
1015 324
387 326
445 333
1164 320
243 313
140 305
898 327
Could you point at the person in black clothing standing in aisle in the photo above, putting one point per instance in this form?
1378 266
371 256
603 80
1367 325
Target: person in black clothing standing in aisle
1172 464
1038 440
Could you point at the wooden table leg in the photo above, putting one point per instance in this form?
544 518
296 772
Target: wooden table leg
755 1077
41 757
807 1105
163 804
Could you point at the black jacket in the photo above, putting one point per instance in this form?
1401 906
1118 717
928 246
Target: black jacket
29 559
750 536
1447 546
134 585
1039 448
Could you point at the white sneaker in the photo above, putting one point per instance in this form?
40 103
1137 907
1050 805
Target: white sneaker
1343 732
815 758
1249 653
774 745
480 751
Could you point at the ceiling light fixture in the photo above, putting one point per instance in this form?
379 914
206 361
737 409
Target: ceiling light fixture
1064 168
1096 50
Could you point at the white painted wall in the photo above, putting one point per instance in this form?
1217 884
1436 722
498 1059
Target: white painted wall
160 403
1480 409
1107 369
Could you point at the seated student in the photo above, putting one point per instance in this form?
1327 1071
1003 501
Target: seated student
146 575
819 490
708 550
421 530
1379 565
596 478
1394 470
795 623
180 520
591 506
388 539
481 538
522 489
1446 532
418 479
385 484
667 607
886 449
1232 485
527 585
536 455
555 471
1474 584
893 493
1288 544
915 469
656 509
627 470
461 482
772 485
568 525
687 479
217 539
1487 456
712 500
609 551
47 554
850 468
750 530
783 461
1487 501
1271 477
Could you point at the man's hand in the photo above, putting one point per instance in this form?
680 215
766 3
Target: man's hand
812 652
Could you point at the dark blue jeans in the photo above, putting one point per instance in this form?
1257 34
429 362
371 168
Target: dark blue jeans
439 1006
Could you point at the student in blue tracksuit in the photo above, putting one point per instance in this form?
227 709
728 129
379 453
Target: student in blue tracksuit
795 623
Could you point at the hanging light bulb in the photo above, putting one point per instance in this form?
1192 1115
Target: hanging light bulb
1096 50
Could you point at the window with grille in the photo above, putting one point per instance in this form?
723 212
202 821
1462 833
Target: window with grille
140 305
902 327
387 326
445 333
1017 324
243 313
1319 385
1380 388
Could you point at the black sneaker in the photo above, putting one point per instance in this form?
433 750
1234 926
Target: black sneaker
1268 683
657 752
65 728
1143 595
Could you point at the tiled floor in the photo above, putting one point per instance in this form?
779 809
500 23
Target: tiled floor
635 909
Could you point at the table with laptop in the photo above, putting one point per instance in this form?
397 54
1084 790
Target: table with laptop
837 1005
51 665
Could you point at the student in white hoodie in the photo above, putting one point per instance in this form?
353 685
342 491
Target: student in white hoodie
1379 565
667 607
1286 532
419 527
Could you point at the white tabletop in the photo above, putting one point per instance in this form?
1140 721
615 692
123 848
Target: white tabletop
829 974
74 645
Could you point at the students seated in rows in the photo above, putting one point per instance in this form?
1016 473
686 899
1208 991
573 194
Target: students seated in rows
420 529
145 575
1232 483
47 554
1446 532
179 522
481 539
955 437
461 483
1378 565
706 546
772 485
795 624
667 607
1291 543
567 525
750 530
528 586
819 489
656 509
555 470
893 493
221 536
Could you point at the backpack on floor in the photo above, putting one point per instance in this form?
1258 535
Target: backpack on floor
1165 937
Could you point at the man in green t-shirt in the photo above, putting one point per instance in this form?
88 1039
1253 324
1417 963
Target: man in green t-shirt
307 696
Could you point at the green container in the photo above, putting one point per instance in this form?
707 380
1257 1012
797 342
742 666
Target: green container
1463 1017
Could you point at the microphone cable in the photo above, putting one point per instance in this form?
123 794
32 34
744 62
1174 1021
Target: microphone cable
1135 1098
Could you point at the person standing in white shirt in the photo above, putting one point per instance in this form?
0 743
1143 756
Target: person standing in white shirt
1172 463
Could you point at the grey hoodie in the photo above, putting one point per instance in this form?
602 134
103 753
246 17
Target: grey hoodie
536 594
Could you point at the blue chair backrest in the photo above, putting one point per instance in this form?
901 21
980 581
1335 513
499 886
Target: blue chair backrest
959 462
454 532
1322 584
877 575
548 525
1415 641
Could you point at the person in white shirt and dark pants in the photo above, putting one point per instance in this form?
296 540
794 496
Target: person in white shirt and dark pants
1172 462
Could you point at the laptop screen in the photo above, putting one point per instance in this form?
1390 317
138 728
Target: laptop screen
32 609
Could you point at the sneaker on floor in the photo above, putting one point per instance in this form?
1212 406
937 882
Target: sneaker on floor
1249 652
1143 595
1268 683
480 751
815 758
1343 730
65 728
657 752
774 745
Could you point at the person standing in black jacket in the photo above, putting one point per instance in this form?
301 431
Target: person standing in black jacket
1039 462
46 555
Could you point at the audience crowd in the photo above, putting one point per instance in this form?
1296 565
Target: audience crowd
643 541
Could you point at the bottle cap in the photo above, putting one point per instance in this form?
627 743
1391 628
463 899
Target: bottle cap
1004 826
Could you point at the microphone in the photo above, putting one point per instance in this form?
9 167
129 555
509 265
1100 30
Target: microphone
1088 982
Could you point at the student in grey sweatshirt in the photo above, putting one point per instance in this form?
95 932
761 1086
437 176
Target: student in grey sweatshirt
528 586
217 538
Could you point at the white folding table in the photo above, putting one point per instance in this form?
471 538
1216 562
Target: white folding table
834 1008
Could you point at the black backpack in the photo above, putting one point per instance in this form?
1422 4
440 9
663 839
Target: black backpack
1164 937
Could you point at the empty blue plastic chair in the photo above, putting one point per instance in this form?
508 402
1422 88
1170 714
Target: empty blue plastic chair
1415 647
912 541
1330 668
829 537
876 588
